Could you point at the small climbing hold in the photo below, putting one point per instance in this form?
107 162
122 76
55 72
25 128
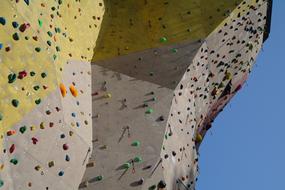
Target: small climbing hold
12 148
15 103
38 101
43 75
161 118
62 136
36 87
149 111
57 48
137 159
37 49
38 167
1 117
153 187
40 22
199 138
51 164
163 39
161 184
1 46
2 20
61 173
42 125
136 143
24 26
27 2
126 165
14 161
11 77
16 36
65 146
23 129
73 91
22 74
15 24
32 128
141 181
62 90
32 73
49 33
35 140
108 95
67 158
99 178
174 50
49 43
1 183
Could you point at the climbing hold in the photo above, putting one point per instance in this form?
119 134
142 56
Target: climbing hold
161 118
51 164
59 2
62 90
149 111
49 33
49 43
43 75
36 87
22 74
99 178
1 183
174 50
126 165
62 136
38 101
67 158
108 95
65 146
32 128
24 26
1 45
199 138
38 167
40 22
161 184
61 173
15 24
14 161
37 49
163 39
1 117
73 91
27 2
137 159
42 125
136 143
12 148
2 20
32 73
11 77
57 48
35 140
16 36
15 103
23 129
153 187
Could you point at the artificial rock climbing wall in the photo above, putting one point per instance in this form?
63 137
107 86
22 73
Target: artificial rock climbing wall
45 97
134 119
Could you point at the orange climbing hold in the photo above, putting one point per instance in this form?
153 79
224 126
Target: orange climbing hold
62 90
11 132
73 91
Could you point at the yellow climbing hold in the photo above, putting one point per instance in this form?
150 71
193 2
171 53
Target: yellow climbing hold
199 138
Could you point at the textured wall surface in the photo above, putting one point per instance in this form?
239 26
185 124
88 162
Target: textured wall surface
133 119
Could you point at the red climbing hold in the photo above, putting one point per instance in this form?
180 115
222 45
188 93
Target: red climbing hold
22 74
35 140
11 132
65 147
24 26
12 148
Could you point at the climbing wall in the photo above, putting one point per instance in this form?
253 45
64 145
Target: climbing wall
45 91
155 101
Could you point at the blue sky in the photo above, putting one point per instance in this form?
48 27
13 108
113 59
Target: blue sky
245 149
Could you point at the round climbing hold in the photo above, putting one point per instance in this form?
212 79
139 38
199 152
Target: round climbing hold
65 146
35 140
16 36
32 73
38 49
11 132
15 103
149 111
199 138
99 178
2 20
38 101
15 24
126 165
43 75
62 136
163 39
73 114
136 143
137 159
36 87
23 129
61 173
22 74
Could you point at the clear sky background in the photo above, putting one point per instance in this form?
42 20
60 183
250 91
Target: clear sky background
245 149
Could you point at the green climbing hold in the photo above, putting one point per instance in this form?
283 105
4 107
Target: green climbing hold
60 2
15 103
136 143
38 101
14 161
38 49
137 159
163 39
1 117
32 73
99 178
174 50
49 33
1 183
149 111
54 57
57 48
16 36
36 88
126 165
152 187
11 77
49 43
43 75
23 129
40 22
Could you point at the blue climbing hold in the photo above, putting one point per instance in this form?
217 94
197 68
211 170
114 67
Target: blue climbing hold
1 45
61 173
15 24
2 20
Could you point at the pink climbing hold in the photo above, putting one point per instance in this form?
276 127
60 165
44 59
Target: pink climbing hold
12 148
24 26
65 147
35 140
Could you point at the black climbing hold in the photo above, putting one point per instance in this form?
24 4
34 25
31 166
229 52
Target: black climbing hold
2 20
27 2
15 24
16 36
161 184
